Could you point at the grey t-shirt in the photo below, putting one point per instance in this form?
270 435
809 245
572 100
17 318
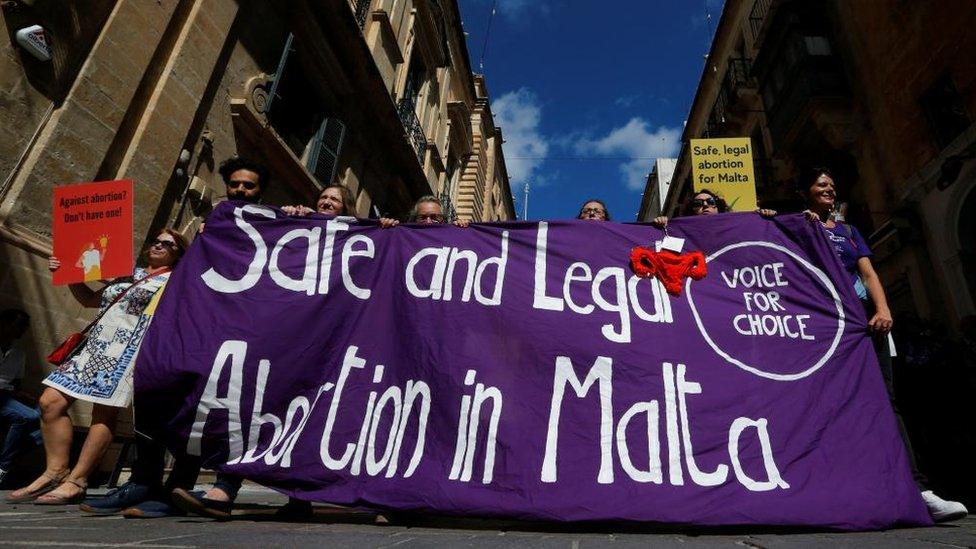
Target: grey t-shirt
12 365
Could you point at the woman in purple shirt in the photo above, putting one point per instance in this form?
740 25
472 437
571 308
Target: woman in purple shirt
820 192
850 246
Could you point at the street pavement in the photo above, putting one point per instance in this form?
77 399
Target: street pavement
254 526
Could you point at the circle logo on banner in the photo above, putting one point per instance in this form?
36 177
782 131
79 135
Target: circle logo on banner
771 312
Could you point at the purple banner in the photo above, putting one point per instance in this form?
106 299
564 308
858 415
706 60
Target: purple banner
522 370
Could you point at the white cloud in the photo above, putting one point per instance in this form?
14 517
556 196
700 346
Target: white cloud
518 114
637 142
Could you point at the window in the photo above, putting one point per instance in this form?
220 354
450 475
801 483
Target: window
299 117
416 77
944 110
407 107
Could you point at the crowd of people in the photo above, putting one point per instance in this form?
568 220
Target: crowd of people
101 370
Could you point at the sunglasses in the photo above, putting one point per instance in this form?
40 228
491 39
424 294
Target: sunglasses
594 211
249 185
168 244
704 202
436 218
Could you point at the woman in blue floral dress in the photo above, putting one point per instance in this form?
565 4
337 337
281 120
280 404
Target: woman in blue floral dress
100 372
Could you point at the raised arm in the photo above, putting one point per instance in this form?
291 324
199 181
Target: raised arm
881 321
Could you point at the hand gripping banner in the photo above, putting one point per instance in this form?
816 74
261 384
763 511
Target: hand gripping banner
523 370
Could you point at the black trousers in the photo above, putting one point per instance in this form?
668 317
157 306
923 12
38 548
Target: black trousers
884 360
150 462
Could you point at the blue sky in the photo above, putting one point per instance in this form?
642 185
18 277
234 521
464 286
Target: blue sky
588 91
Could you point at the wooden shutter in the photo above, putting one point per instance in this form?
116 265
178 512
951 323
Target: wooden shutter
276 78
325 150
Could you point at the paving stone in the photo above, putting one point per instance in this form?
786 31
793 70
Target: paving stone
254 526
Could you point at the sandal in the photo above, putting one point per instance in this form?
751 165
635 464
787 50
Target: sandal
53 481
51 499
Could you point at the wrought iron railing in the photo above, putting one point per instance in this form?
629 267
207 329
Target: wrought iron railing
362 12
738 74
756 17
714 126
737 78
717 118
407 108
447 205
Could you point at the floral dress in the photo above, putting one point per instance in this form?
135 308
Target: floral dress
102 371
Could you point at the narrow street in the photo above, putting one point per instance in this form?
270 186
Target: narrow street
34 526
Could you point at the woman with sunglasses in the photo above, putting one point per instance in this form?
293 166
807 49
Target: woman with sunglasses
100 371
706 202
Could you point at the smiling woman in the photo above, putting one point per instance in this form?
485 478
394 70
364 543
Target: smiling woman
818 188
100 371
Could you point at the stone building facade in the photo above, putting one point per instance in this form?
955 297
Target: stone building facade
882 92
375 94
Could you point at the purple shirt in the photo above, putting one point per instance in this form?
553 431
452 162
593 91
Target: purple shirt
850 246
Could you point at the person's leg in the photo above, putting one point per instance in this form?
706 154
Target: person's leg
57 431
143 485
100 435
218 502
182 477
941 510
184 474
22 421
225 488
295 510
884 361
149 463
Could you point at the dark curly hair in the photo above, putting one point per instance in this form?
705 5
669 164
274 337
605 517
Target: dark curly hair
809 176
689 209
231 165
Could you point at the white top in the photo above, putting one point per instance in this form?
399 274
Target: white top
12 365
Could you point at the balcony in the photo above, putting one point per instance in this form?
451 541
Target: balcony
757 19
738 78
801 78
814 84
728 108
407 109
447 205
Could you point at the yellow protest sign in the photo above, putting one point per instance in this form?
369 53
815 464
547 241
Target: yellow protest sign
724 166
